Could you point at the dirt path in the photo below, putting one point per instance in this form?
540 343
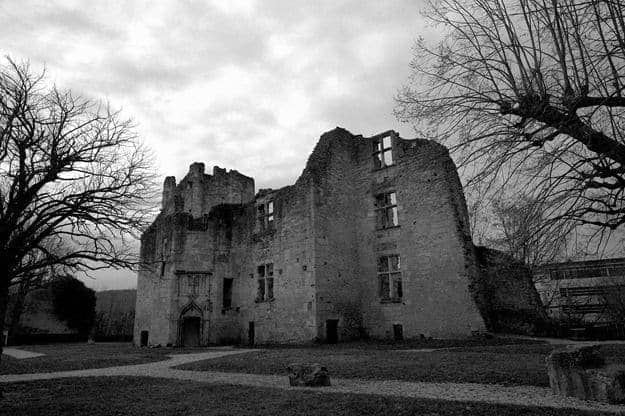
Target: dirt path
472 392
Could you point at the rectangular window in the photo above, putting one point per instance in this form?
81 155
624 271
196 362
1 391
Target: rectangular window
383 152
386 210
389 277
227 294
270 214
265 216
264 291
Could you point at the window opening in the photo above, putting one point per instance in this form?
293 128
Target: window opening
227 294
386 210
265 215
389 277
383 152
265 281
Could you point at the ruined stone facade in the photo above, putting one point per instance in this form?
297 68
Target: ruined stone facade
371 240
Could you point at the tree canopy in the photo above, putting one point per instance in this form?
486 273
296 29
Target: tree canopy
528 94
74 303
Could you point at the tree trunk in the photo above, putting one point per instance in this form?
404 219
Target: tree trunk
17 309
4 300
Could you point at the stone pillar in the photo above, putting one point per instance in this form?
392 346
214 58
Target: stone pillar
196 178
169 189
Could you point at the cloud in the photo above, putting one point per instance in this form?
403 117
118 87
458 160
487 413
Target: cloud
246 85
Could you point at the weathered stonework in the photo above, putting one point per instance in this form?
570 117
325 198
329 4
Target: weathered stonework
505 294
324 245
581 372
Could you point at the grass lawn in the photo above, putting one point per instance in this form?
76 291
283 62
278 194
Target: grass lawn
148 396
378 344
61 357
506 364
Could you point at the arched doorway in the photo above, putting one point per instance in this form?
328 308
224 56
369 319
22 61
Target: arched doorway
190 326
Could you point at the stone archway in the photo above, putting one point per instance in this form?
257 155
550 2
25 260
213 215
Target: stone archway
190 326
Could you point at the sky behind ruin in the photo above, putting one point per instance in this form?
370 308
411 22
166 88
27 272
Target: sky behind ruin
246 85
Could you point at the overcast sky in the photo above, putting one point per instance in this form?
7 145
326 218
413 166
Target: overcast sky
247 85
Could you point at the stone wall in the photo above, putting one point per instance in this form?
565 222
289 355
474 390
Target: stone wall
432 238
431 243
185 256
290 315
505 294
338 283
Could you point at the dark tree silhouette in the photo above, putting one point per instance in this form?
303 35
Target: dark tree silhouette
74 182
74 303
529 94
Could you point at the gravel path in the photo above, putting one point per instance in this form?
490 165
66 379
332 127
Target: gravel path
564 341
472 392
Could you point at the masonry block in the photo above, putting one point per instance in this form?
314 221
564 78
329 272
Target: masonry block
308 375
581 372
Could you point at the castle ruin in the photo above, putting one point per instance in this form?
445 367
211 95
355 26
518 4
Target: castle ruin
371 240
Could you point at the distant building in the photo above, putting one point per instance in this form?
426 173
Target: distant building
583 293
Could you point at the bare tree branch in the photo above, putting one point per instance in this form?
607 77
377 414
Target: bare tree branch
74 182
530 93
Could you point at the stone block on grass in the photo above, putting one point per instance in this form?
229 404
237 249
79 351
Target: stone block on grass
308 375
581 372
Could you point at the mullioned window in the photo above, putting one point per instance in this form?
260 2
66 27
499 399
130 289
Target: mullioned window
389 278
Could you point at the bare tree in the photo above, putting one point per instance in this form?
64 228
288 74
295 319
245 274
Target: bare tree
529 94
522 230
74 182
